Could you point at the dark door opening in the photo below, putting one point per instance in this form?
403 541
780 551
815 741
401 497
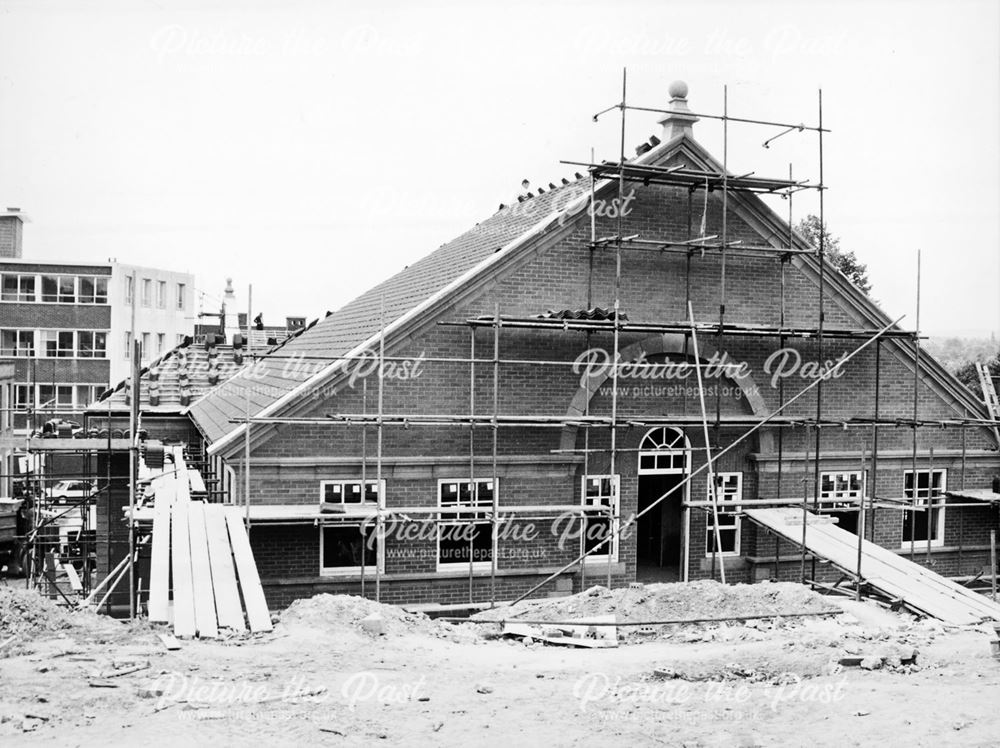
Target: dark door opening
659 533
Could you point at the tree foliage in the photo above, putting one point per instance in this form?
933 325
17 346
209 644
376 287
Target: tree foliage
845 261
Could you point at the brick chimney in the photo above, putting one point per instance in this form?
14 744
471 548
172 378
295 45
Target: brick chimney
11 230
679 119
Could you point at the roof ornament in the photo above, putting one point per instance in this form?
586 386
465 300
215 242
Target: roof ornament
679 118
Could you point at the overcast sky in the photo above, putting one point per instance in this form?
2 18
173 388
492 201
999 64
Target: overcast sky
314 148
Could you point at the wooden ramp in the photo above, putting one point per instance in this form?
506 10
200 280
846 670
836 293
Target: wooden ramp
918 587
198 548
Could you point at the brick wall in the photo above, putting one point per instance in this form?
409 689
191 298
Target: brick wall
287 467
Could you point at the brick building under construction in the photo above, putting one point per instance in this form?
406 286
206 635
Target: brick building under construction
459 433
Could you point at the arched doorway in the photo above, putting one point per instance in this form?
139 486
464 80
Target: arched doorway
664 463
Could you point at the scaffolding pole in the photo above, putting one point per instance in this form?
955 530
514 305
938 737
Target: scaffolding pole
712 486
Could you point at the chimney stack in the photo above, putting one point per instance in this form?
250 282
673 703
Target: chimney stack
679 119
11 231
234 310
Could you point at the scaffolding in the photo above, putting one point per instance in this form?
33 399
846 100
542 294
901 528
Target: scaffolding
616 324
484 468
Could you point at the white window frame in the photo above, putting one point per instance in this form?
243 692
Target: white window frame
341 571
599 501
54 405
181 289
146 292
93 391
939 504
19 296
129 290
60 278
667 456
19 402
100 286
60 351
729 516
443 521
341 483
94 349
19 351
161 294
847 499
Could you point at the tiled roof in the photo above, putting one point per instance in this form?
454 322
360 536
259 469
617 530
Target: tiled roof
187 367
360 319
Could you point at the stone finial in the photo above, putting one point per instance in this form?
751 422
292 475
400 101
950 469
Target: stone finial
679 119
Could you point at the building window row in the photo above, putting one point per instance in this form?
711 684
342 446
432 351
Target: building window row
154 344
50 397
464 530
53 343
54 289
150 294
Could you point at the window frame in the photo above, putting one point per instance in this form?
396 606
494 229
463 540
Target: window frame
850 498
181 291
340 571
47 405
18 350
735 524
615 496
20 297
59 297
94 349
939 505
61 351
446 520
347 481
146 292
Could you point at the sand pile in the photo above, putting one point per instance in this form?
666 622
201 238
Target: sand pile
337 612
27 615
668 602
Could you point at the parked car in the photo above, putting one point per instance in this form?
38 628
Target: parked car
70 490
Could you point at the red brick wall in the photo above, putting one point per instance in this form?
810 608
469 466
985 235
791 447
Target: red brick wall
655 286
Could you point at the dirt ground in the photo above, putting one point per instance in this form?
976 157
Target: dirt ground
319 678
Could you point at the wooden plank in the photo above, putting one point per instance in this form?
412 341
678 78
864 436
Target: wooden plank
920 581
916 585
201 573
169 642
253 594
74 578
180 554
220 554
887 571
183 488
195 480
159 565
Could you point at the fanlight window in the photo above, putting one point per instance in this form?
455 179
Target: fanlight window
663 450
665 437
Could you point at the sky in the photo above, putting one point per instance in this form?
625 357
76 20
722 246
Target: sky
312 149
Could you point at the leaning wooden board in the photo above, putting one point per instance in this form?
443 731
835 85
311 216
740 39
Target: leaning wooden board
180 553
220 553
258 615
201 574
916 585
159 565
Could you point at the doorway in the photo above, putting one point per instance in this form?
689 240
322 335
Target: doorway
660 533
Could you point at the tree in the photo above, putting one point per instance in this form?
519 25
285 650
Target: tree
967 374
845 261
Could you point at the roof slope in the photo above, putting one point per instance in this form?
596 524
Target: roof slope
278 373
273 380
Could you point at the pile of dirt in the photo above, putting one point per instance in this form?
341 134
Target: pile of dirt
670 602
27 615
339 612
